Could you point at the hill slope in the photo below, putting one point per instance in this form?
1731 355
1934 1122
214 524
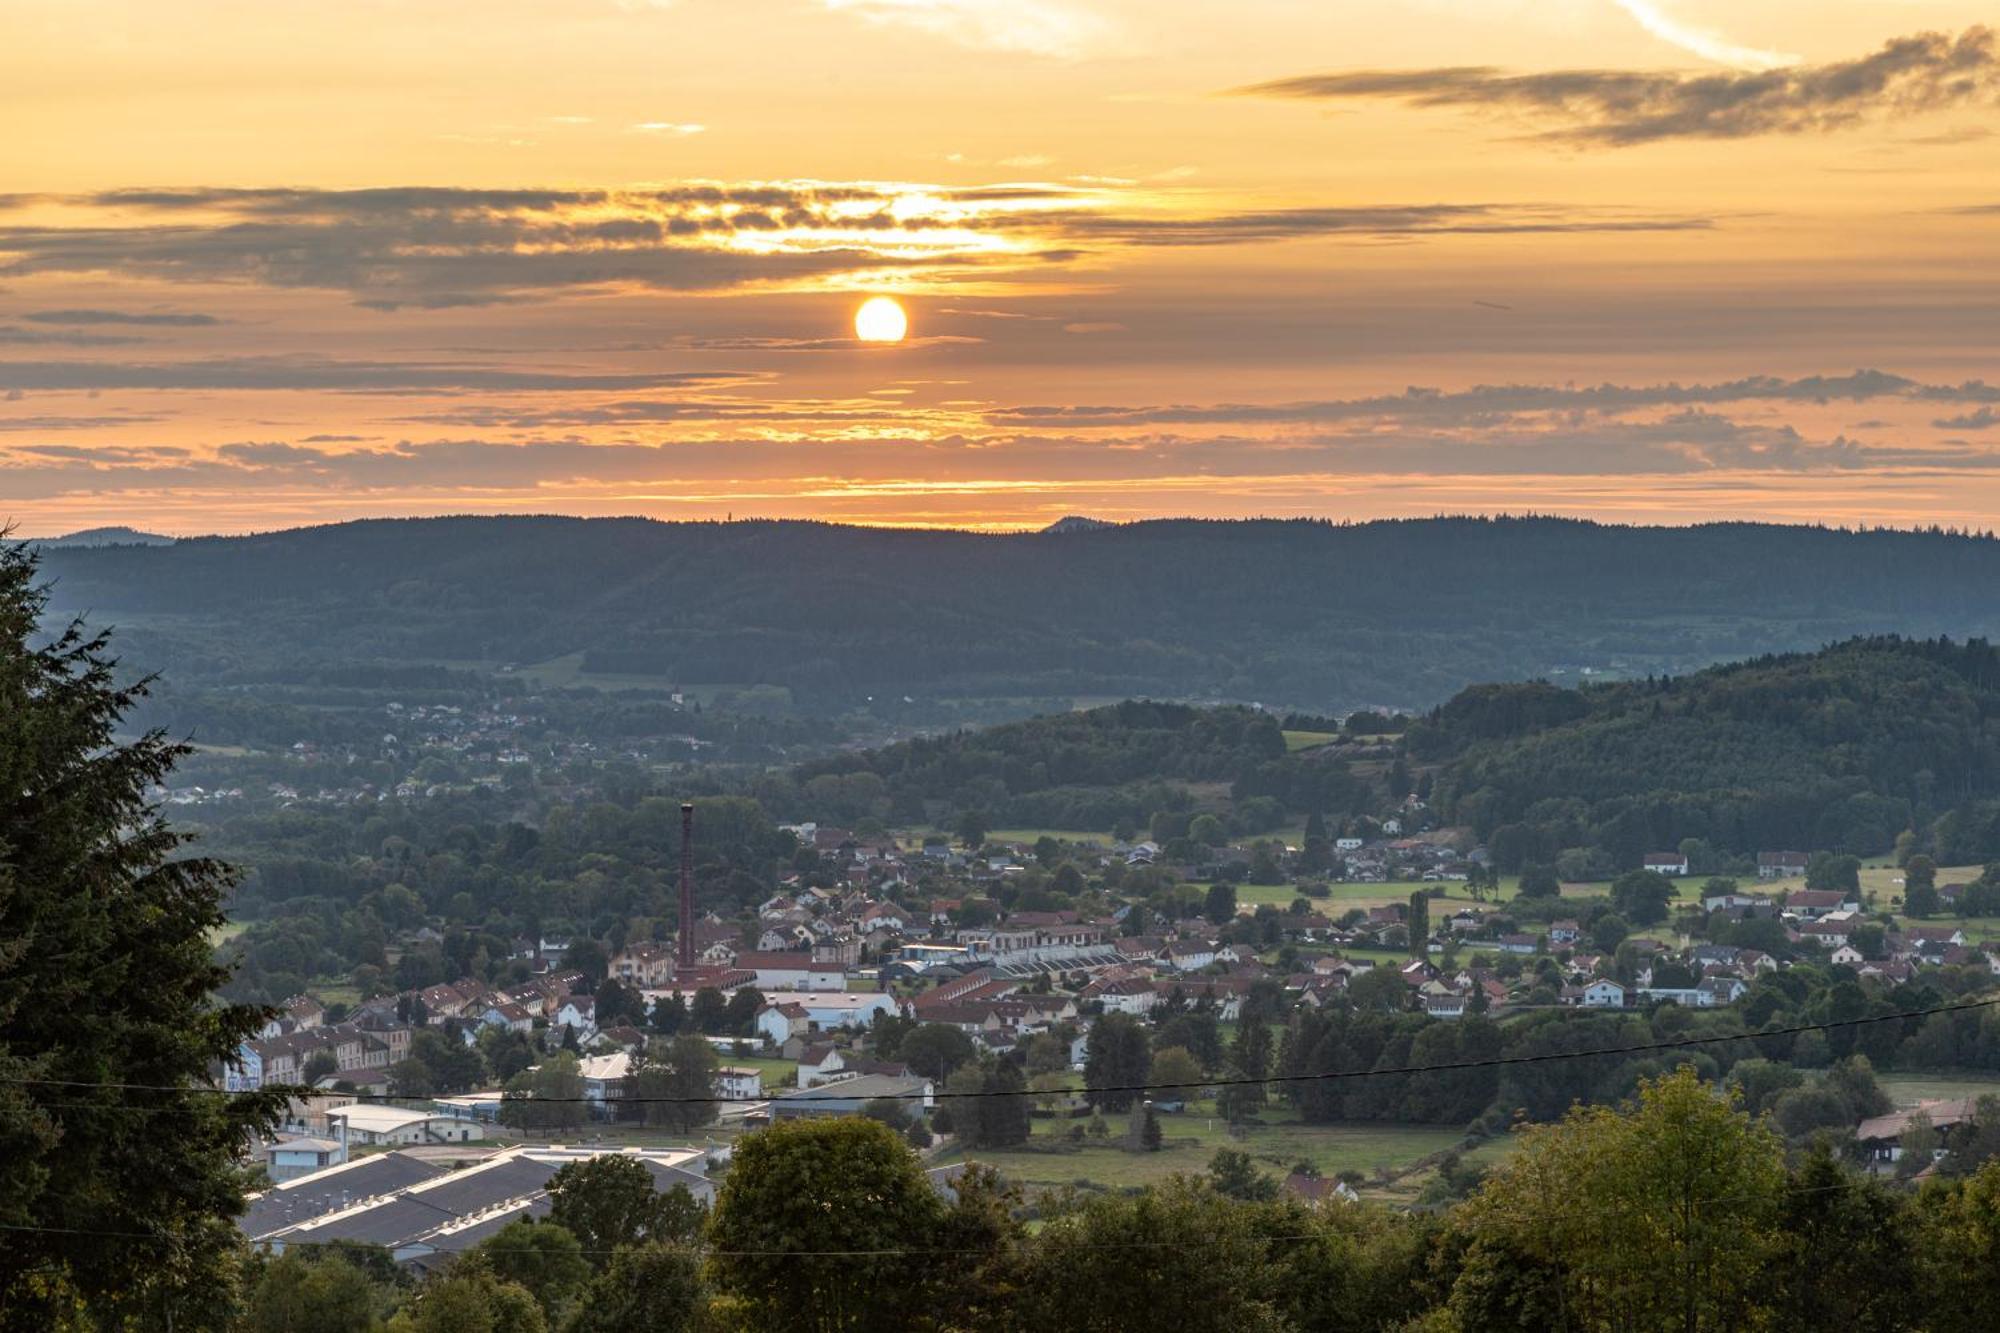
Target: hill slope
1298 613
1838 750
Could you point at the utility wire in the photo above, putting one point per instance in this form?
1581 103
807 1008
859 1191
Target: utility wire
892 1253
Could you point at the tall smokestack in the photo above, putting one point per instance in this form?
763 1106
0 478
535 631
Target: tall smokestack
686 955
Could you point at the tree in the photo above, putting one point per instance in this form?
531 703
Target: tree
304 1292
545 1258
972 828
1826 870
1116 1060
1539 881
1205 1266
805 1203
1663 1216
1641 896
1420 924
1219 906
468 1298
709 1012
1379 990
1002 1107
618 1002
1850 1246
609 1201
1235 1174
453 1066
1175 1068
107 979
1149 1130
1207 831
739 1018
651 1288
936 1050
411 1077
678 1091
670 1012
588 957
319 1065
1920 897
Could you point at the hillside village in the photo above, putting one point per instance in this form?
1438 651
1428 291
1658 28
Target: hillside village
809 1001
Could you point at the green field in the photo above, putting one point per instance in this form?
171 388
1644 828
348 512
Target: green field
1377 893
1909 1089
1308 740
1191 1138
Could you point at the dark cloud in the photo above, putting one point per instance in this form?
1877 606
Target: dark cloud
1689 443
1491 402
1983 419
312 373
1282 224
439 248
37 425
1926 72
20 337
162 319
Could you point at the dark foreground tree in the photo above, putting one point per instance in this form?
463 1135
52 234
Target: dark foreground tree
651 1288
118 1178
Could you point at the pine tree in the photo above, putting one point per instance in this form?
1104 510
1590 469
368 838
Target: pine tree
106 984
1150 1134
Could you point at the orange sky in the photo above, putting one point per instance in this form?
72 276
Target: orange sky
1656 260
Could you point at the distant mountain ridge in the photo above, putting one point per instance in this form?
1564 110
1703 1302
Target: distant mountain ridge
1288 613
1077 523
115 536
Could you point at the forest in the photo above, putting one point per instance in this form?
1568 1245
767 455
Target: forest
1842 750
1295 614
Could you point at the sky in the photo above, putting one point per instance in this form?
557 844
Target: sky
1662 261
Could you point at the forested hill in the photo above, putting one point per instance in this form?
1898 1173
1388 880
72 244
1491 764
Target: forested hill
1839 750
1302 614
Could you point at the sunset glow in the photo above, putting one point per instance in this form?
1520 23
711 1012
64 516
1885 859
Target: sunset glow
1652 262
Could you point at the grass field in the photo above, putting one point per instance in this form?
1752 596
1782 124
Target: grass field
1191 1138
1366 894
1909 1089
1308 740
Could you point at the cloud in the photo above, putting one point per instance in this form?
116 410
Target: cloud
1909 75
674 127
1284 224
161 319
47 338
318 374
1699 41
1033 27
436 248
1487 403
1983 419
37 425
1684 444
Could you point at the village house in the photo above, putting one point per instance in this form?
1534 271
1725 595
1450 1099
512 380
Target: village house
1671 864
1781 865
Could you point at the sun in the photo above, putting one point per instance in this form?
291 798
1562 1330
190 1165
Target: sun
880 320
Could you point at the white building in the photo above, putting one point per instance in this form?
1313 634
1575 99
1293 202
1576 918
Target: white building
823 1011
359 1125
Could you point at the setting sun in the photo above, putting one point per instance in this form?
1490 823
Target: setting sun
880 320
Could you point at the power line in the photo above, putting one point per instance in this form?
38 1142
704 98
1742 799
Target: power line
889 1253
833 1094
